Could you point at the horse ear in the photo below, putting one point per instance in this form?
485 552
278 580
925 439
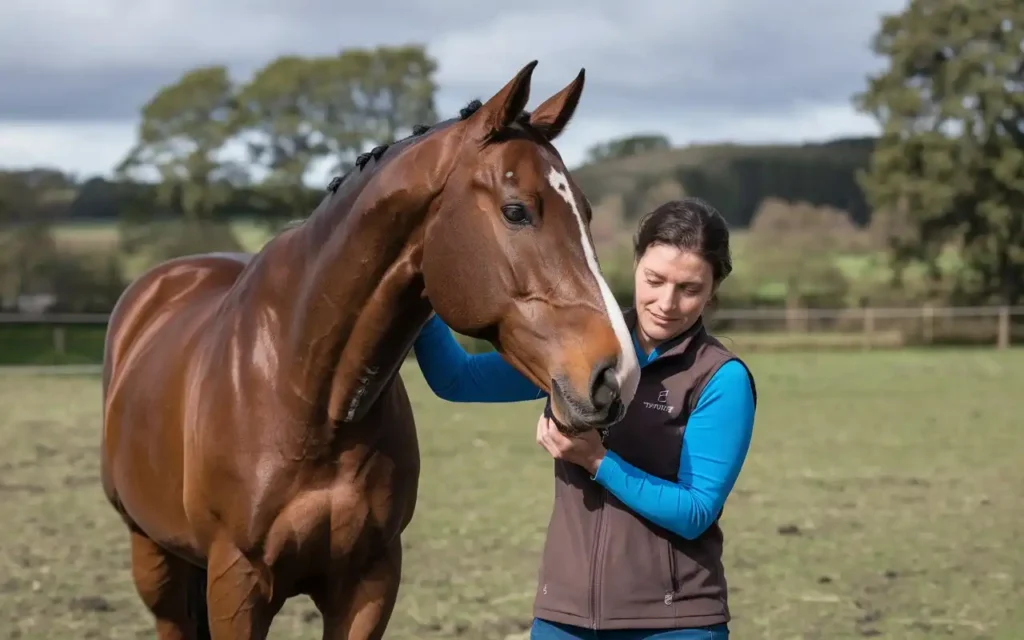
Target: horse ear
506 105
551 117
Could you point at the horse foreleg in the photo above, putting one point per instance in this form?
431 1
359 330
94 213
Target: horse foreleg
359 608
166 585
239 596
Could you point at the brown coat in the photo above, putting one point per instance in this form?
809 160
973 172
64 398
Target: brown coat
605 567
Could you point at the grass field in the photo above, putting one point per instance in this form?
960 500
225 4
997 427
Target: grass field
103 236
882 498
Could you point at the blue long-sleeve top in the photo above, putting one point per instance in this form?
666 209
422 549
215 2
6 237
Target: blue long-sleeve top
715 442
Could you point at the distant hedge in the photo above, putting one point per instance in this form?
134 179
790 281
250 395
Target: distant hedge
41 345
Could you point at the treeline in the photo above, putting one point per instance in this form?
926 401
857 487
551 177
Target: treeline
932 210
98 199
737 179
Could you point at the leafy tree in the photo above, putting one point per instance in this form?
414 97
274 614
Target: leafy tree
16 199
283 112
184 128
28 201
393 89
950 162
376 96
296 112
794 247
627 146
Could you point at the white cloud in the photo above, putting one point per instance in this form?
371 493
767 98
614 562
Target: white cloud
82 148
91 148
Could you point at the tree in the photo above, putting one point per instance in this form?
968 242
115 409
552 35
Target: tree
296 112
950 161
184 128
377 95
627 146
293 114
794 247
29 203
283 113
394 89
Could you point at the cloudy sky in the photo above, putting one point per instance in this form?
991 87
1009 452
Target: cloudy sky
73 73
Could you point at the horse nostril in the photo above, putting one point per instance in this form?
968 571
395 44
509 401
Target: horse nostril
604 390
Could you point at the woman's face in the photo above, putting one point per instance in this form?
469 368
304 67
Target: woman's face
672 287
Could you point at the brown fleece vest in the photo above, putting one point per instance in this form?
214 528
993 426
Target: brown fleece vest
605 567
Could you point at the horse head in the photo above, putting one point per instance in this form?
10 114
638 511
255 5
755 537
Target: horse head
507 255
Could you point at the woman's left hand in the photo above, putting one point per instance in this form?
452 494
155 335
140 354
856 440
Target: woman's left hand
586 449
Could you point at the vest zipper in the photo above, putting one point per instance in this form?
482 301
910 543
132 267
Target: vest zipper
596 565
672 583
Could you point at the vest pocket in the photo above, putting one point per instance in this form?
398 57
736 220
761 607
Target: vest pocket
638 573
673 582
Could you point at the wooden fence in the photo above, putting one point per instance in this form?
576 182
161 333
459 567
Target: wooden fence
874 327
772 329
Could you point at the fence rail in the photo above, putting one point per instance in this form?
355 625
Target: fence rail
884 326
866 327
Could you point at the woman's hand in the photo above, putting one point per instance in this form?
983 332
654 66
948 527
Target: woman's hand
586 450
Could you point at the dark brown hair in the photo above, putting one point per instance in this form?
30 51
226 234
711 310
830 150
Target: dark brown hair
689 224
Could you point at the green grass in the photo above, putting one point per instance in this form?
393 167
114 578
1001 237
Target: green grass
882 497
38 344
88 236
102 237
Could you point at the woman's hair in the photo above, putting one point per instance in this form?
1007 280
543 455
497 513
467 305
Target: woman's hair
689 224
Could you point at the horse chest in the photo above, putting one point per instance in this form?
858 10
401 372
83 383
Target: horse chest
303 509
330 524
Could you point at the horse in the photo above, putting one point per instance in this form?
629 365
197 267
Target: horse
258 441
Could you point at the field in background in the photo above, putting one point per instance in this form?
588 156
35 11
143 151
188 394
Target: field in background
881 498
864 269
102 237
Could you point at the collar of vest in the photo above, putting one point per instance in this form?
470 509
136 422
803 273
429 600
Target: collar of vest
673 346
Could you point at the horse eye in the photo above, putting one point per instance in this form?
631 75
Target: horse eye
515 213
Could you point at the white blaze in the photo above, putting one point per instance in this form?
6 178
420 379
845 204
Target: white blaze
627 373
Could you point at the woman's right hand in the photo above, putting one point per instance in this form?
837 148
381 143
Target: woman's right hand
585 450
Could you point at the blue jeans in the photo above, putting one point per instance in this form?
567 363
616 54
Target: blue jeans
544 630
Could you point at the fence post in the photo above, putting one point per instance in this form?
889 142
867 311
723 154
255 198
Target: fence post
1003 335
59 339
869 326
928 320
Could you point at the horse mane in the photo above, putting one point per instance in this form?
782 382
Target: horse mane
519 126
522 122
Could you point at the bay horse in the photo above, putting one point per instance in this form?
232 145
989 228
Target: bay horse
258 441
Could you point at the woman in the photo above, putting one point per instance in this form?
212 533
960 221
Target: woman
633 547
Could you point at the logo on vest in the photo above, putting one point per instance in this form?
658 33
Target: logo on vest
661 404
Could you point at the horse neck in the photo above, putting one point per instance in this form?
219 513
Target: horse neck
359 303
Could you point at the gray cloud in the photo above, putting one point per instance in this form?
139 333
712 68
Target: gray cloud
74 61
100 94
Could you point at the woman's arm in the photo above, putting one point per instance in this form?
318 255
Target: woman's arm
457 376
715 445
